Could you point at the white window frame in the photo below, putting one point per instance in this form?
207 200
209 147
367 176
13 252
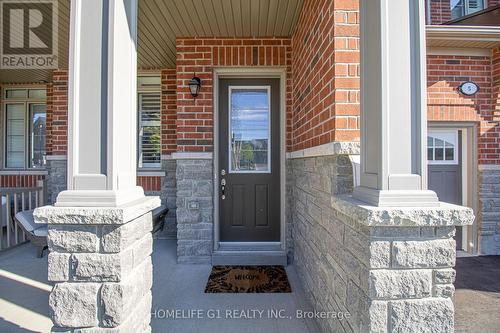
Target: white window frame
440 134
269 132
140 91
26 102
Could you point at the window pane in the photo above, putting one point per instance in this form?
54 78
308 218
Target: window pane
149 130
449 154
16 93
438 143
37 93
249 130
429 141
429 154
37 135
474 6
438 154
15 137
460 8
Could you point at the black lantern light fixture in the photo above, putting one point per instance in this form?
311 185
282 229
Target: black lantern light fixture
194 85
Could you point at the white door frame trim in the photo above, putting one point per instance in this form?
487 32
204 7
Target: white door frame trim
469 166
250 72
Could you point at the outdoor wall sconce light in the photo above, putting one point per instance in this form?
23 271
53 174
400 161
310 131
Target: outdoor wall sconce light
194 86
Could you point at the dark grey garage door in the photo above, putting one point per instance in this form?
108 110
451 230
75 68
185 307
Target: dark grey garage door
445 168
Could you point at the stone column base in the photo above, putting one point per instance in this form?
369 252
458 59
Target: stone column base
100 261
390 268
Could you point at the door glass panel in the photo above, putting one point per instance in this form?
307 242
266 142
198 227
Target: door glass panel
249 130
442 147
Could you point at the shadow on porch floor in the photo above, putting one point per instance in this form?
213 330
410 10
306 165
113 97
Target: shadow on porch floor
24 292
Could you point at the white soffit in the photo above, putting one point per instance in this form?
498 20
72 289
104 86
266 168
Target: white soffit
479 37
162 21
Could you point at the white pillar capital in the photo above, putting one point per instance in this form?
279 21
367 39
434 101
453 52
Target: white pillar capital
393 104
102 121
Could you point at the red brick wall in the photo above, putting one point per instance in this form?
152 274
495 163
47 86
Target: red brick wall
495 78
444 74
441 10
325 62
149 183
57 114
200 55
168 111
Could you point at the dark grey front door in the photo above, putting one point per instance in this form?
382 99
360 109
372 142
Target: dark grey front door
445 168
249 160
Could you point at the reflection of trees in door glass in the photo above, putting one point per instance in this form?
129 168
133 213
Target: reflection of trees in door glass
249 130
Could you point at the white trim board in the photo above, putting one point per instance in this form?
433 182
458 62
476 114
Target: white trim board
56 157
459 51
191 156
488 167
147 173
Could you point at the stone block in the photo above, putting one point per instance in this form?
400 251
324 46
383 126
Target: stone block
74 304
83 238
101 267
425 253
431 315
58 266
380 254
443 290
444 276
142 249
400 284
118 238
378 317
114 297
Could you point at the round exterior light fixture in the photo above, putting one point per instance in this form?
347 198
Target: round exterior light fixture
194 86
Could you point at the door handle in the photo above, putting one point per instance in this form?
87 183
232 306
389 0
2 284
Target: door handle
223 188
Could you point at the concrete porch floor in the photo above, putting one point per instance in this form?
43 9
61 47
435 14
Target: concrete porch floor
24 292
477 295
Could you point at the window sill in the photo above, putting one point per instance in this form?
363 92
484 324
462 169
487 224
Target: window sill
41 172
151 173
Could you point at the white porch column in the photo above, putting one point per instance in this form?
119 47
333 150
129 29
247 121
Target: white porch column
99 231
102 104
393 104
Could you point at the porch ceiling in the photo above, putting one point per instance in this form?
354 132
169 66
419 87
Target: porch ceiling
160 22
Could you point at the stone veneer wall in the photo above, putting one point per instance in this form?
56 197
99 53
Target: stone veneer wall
324 176
388 278
100 261
56 179
168 195
489 211
194 210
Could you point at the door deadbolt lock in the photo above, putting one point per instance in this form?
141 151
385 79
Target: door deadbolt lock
223 172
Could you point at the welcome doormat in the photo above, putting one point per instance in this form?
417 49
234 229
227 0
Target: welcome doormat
248 279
